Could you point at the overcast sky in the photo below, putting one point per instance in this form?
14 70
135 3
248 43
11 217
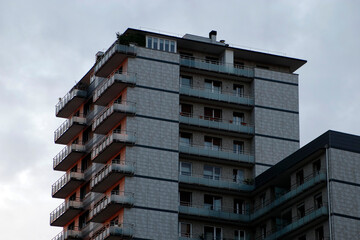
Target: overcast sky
47 46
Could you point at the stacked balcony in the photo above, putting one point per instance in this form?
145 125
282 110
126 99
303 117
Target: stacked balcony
116 54
111 174
309 182
70 103
115 232
112 115
67 184
69 235
111 145
109 205
221 183
223 213
64 213
216 123
216 152
69 129
217 67
112 87
68 156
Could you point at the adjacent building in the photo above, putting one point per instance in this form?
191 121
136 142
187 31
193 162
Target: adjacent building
183 138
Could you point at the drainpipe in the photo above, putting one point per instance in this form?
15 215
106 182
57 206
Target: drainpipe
327 157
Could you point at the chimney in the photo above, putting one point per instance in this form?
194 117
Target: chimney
98 56
212 35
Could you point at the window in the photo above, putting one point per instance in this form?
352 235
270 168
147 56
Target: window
238 147
239 206
301 210
114 221
319 233
238 118
149 42
185 139
186 109
166 45
185 168
263 231
212 233
212 60
262 200
238 90
286 218
172 46
185 230
318 201
238 175
316 167
212 143
300 177
71 226
213 86
212 202
185 198
212 114
239 235
83 219
211 172
185 81
239 64
161 44
155 43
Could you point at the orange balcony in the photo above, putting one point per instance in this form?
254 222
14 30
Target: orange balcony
111 174
67 184
68 156
64 213
112 115
69 129
111 145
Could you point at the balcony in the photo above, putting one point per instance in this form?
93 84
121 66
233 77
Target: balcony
115 55
70 103
115 232
69 235
111 174
219 67
68 183
216 153
309 182
68 156
112 87
65 212
296 223
222 183
112 115
69 129
223 96
224 213
111 145
216 123
109 205
200 236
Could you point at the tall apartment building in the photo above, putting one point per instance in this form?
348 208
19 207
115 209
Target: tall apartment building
181 138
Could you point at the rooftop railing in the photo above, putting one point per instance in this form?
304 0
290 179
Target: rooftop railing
70 95
217 66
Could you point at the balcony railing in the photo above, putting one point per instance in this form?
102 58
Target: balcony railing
115 231
109 205
65 212
68 156
223 96
296 223
69 235
216 123
111 87
112 57
67 184
110 174
201 236
217 152
112 116
111 145
69 129
309 181
214 66
70 102
221 182
221 212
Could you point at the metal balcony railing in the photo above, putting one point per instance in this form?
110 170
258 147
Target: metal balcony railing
119 230
62 208
66 151
216 66
68 97
66 178
202 236
217 123
296 189
217 182
69 234
80 120
216 152
221 95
